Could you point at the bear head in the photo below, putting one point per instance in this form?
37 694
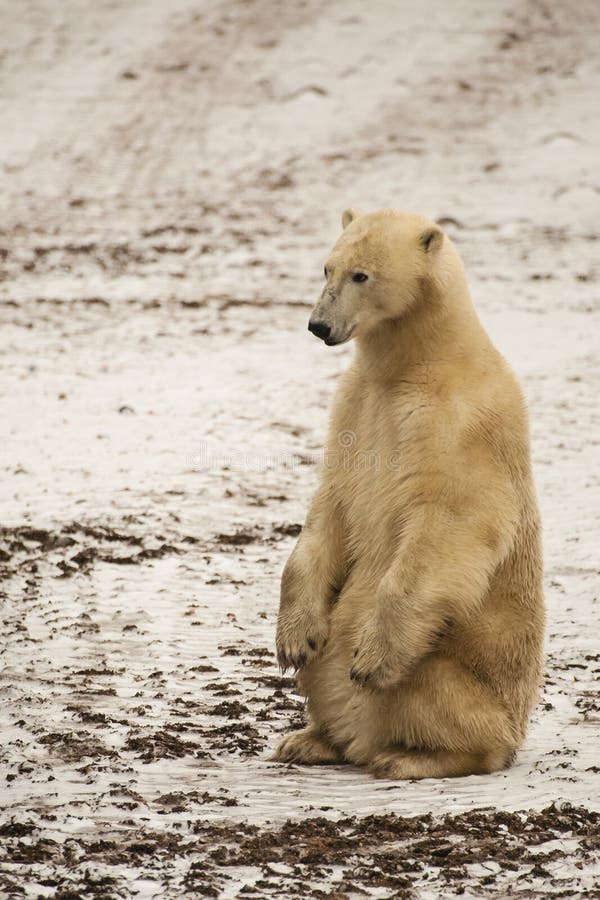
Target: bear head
378 270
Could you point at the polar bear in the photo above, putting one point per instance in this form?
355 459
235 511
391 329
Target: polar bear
412 604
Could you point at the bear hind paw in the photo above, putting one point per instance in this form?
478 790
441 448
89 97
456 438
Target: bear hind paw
306 747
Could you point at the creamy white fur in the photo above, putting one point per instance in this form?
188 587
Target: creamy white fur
412 603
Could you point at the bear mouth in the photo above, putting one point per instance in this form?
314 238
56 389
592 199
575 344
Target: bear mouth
334 342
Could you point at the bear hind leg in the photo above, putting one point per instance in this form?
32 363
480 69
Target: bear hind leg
399 763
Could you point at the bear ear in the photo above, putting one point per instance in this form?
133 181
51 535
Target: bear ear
349 215
431 239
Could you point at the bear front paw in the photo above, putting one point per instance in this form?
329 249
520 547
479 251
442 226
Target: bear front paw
301 635
375 664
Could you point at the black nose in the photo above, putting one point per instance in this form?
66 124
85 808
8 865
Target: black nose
320 329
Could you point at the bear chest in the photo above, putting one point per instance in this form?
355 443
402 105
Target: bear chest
376 447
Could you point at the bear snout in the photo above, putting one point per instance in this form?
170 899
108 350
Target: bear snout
320 329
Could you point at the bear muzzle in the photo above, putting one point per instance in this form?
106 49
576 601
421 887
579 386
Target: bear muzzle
330 337
319 329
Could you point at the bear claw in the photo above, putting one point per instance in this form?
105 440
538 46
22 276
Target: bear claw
299 641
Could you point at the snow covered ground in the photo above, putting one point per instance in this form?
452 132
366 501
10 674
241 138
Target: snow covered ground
173 176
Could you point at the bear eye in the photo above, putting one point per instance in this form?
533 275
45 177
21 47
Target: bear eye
325 272
359 277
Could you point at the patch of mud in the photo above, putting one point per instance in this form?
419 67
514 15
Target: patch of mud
73 548
77 547
480 853
162 745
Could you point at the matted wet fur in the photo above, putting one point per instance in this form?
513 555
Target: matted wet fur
412 603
